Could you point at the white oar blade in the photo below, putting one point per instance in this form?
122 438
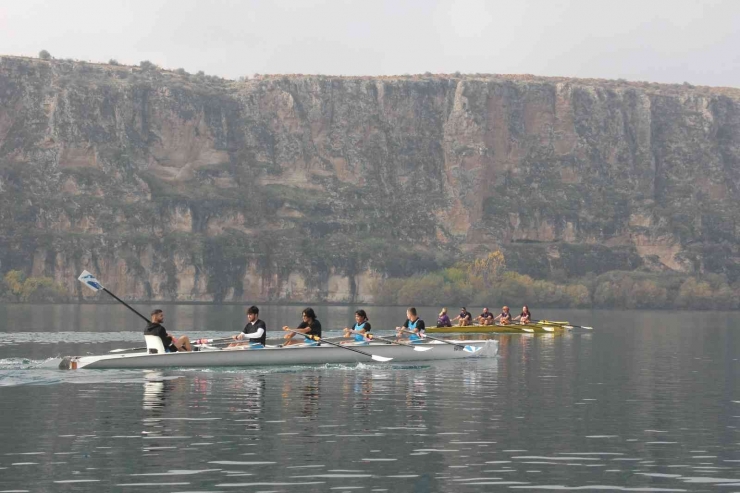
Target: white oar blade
587 328
381 359
568 327
89 280
548 329
417 348
527 330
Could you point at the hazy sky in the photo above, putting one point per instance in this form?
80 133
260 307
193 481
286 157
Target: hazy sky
656 40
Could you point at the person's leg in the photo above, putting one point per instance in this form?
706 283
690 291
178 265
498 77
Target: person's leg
183 344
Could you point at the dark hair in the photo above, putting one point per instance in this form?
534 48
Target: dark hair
309 313
527 308
253 310
464 308
362 314
156 312
411 310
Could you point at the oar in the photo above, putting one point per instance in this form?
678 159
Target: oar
468 349
89 280
415 348
375 357
197 342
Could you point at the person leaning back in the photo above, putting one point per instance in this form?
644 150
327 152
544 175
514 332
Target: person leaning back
170 342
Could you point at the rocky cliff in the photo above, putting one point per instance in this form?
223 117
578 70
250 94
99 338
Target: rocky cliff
179 187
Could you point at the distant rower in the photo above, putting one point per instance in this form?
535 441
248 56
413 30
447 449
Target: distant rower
485 318
169 341
525 317
465 317
504 318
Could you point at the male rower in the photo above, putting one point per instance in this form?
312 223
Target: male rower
255 332
465 317
485 318
504 318
170 342
414 324
309 327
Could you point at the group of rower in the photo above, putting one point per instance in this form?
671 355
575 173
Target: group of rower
254 334
465 318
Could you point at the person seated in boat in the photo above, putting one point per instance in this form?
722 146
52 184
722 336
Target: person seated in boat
465 318
310 327
170 342
485 318
414 324
525 317
504 318
443 320
360 328
254 333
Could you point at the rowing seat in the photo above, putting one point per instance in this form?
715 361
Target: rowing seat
154 345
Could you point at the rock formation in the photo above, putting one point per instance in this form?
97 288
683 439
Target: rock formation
177 187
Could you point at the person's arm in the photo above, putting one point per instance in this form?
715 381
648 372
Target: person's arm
255 335
303 328
420 327
515 319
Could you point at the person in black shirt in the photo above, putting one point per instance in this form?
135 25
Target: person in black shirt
465 317
309 326
485 318
170 342
255 332
504 318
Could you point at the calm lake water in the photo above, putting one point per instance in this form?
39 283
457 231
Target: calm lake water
647 401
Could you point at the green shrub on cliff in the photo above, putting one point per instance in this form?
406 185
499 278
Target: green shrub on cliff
33 289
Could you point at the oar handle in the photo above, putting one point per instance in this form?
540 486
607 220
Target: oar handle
403 329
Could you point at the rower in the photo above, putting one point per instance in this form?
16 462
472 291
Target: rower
504 318
360 329
443 320
485 318
170 342
255 331
413 323
310 327
525 317
465 317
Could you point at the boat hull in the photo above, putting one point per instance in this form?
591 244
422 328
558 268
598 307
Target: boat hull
287 356
496 329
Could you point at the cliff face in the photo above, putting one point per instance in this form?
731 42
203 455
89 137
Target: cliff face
179 187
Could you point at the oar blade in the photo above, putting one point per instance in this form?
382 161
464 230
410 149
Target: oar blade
422 349
89 280
525 329
548 328
472 349
380 359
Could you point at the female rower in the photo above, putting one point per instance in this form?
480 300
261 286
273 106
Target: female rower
309 327
504 318
414 324
444 320
525 317
361 327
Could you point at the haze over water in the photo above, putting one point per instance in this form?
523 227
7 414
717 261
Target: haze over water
647 401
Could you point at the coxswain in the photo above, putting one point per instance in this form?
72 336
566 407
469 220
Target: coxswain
485 318
309 327
255 332
525 317
504 318
465 318
170 342
361 327
414 324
